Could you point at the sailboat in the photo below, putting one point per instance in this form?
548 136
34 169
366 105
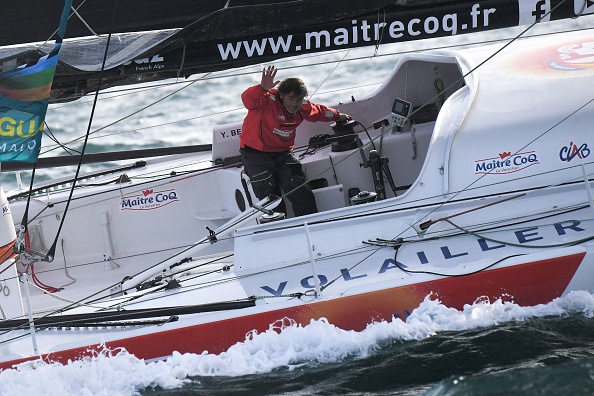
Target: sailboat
466 176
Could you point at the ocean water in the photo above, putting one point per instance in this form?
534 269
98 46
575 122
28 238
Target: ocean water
488 348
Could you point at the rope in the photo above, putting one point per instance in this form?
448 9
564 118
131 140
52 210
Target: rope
134 90
290 295
449 199
86 137
51 251
556 245
196 81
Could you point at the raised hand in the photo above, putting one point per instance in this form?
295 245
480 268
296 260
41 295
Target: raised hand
268 75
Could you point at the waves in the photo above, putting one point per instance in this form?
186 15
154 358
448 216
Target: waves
486 348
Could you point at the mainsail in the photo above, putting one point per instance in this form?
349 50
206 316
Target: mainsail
152 39
24 98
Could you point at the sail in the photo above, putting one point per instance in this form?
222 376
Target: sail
182 37
24 97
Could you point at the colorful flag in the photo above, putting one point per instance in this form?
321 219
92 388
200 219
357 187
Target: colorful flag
24 97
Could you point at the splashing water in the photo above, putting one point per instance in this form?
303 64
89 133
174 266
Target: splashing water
284 346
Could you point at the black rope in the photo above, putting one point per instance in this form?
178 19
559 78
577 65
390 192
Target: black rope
554 245
48 132
452 275
51 252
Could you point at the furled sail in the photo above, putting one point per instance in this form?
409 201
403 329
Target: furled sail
152 39
24 97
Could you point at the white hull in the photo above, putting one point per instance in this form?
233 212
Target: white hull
492 202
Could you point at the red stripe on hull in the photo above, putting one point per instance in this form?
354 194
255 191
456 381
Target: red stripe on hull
527 284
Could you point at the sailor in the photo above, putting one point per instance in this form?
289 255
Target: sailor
268 135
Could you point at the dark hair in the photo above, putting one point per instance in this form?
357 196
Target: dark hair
292 85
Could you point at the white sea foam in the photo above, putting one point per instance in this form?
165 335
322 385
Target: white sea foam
283 346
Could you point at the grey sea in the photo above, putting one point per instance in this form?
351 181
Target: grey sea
488 348
541 356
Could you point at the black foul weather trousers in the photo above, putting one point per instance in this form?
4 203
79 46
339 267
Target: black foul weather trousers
270 173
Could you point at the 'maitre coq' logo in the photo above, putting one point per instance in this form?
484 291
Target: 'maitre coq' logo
149 199
506 162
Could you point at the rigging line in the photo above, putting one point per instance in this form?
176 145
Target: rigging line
539 174
554 126
227 280
381 30
498 224
399 242
232 237
542 134
329 74
123 90
101 262
181 63
167 96
48 132
468 187
238 220
123 300
507 44
388 243
211 283
320 63
74 303
9 340
212 260
74 11
131 114
58 297
150 127
50 254
316 55
45 207
131 90
108 176
214 283
166 180
144 88
452 275
109 287
394 206
158 285
510 222
431 222
564 244
206 285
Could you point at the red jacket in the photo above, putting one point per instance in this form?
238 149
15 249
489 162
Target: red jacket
269 127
